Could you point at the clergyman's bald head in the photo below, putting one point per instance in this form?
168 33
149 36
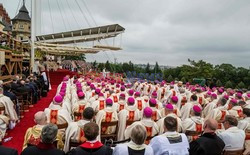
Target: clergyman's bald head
211 124
40 118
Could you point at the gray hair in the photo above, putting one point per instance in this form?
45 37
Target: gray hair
138 134
182 90
40 117
49 133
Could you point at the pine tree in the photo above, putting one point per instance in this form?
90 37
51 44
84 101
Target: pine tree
229 84
241 85
170 78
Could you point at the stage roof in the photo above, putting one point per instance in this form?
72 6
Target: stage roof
83 35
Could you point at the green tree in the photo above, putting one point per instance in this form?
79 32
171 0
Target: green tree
241 85
183 79
76 57
101 66
229 84
107 66
218 83
125 67
94 64
157 68
147 69
131 66
170 78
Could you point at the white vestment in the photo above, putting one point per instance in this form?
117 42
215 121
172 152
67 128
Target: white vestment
236 111
209 107
129 113
186 109
151 127
194 123
233 138
108 114
74 133
4 122
160 123
122 149
99 104
9 107
219 115
162 146
57 115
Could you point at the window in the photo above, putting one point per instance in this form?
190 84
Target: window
21 26
21 38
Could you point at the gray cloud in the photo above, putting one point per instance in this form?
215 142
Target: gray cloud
167 31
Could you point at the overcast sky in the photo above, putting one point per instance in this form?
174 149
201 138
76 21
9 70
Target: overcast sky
167 31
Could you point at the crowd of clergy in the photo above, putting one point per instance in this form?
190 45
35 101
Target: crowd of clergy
153 118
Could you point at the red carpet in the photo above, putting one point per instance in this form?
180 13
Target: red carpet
28 121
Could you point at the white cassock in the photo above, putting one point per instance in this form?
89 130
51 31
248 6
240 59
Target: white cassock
67 104
74 133
4 122
162 146
57 115
140 104
108 114
236 111
194 123
161 125
79 108
175 111
186 109
90 94
121 105
115 98
122 149
98 104
219 115
209 107
151 127
245 125
201 99
9 107
146 99
130 113
233 138
93 99
182 100
156 115
162 92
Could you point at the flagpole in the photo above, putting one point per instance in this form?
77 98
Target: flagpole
33 33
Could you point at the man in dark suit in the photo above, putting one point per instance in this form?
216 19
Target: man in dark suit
209 142
8 93
15 83
46 146
22 88
7 151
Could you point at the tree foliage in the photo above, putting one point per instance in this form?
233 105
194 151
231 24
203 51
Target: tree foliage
219 75
75 57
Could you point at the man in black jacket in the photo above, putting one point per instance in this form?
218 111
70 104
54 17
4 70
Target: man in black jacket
46 146
209 143
7 151
15 83
8 93
91 146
